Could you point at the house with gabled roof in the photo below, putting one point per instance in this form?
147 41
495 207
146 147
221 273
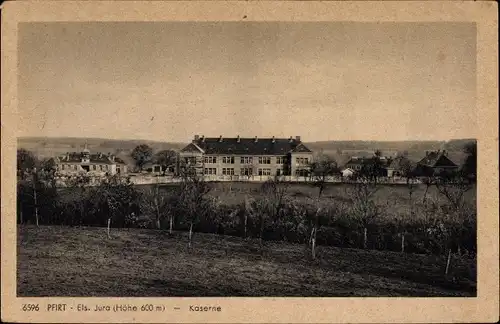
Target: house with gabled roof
97 164
435 163
240 157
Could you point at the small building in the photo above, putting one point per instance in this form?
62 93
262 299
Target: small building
435 163
158 169
355 163
247 157
347 173
98 164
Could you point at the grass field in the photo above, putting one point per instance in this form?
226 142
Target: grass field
65 261
394 197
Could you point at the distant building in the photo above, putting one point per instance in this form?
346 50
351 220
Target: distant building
356 163
157 169
247 157
435 163
94 164
348 172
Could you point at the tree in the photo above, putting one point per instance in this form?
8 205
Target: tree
160 205
117 198
372 168
407 169
26 161
80 198
469 168
268 207
193 202
166 158
364 209
322 168
142 154
458 214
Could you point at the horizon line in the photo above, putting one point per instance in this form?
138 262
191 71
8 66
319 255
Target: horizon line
188 141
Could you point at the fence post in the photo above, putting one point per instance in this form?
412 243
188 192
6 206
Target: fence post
448 262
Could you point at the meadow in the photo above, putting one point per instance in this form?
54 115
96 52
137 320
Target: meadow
395 198
84 262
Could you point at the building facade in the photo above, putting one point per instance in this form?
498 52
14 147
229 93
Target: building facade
241 158
98 164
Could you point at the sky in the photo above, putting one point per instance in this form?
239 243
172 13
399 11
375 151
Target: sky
168 81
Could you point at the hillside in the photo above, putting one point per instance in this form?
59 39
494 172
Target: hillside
340 150
151 263
52 146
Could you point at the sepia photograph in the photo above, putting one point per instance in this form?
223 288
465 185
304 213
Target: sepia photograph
196 165
224 159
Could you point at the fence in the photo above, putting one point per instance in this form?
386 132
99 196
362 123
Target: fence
145 179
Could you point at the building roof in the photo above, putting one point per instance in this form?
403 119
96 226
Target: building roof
437 159
246 146
100 158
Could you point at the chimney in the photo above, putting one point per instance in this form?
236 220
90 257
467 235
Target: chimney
196 138
297 138
290 140
203 138
426 153
256 139
274 140
220 138
67 156
238 139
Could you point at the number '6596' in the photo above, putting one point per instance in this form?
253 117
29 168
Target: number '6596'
31 307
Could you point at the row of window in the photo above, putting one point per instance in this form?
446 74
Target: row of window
244 160
249 172
94 167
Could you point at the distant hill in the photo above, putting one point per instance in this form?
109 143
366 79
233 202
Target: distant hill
53 146
340 150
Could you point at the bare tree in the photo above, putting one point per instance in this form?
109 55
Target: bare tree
363 208
321 169
267 208
154 202
192 199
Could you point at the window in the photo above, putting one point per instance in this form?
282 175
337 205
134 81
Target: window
264 172
190 160
227 171
264 160
301 160
301 173
228 159
280 159
210 159
210 171
94 167
246 171
279 172
246 160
